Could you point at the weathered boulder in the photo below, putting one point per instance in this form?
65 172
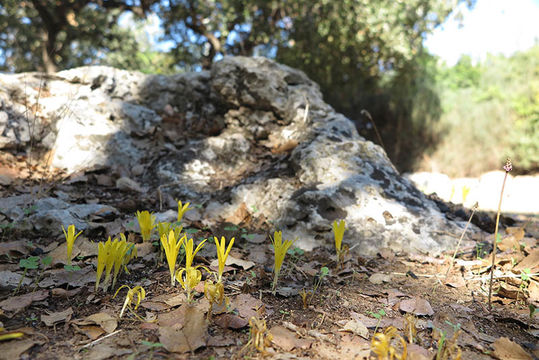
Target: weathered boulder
250 140
50 214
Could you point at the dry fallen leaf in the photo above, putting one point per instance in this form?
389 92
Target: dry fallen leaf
81 247
105 320
241 215
350 348
176 300
356 327
455 281
9 280
91 331
371 322
103 351
283 338
258 255
416 306
127 184
510 292
13 248
512 242
189 338
230 321
247 306
154 305
505 349
15 348
57 317
529 262
173 319
379 278
533 290
60 292
17 303
59 277
416 352
221 340
231 260
393 296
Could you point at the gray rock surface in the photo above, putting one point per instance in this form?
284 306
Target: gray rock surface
50 214
250 140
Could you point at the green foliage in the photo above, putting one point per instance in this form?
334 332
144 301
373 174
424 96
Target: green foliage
71 268
377 315
151 344
463 75
30 263
50 35
494 116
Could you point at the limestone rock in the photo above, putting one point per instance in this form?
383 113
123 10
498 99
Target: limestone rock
50 214
250 140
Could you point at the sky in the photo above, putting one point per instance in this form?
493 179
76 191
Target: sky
491 26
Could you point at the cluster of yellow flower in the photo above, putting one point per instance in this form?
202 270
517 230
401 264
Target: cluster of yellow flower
116 254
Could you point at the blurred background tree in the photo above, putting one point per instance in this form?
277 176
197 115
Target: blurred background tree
51 35
367 56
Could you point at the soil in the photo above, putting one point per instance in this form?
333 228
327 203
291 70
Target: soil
402 296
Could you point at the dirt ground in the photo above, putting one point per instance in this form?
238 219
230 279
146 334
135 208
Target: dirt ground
404 298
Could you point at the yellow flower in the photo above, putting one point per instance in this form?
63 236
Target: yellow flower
182 209
222 254
338 231
259 337
130 254
190 276
381 344
138 291
102 257
189 253
279 248
163 228
123 251
172 248
113 254
109 261
146 222
215 293
70 239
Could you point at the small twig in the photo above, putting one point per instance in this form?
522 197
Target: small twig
460 240
102 338
508 167
318 335
437 276
444 233
418 275
368 116
513 276
291 326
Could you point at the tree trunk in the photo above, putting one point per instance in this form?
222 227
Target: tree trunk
48 54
